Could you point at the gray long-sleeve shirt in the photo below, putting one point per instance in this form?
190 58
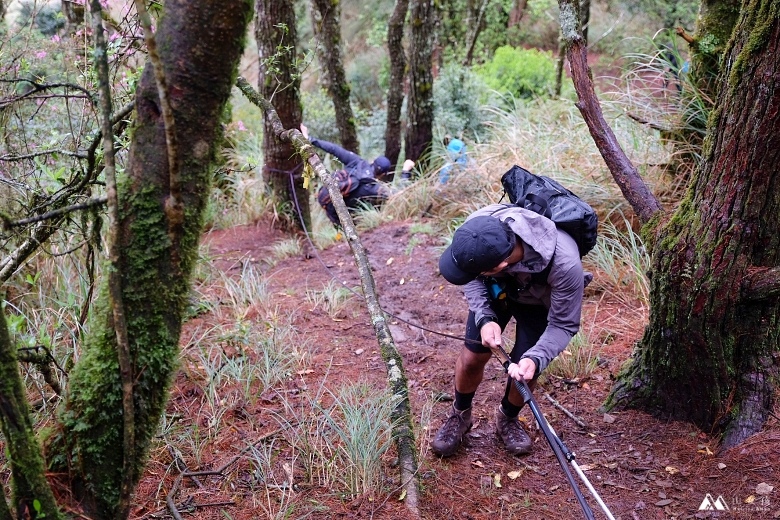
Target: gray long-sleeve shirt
543 243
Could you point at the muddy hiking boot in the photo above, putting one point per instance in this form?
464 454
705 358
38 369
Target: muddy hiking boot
451 433
511 431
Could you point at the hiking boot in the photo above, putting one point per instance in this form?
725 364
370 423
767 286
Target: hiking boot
516 441
451 433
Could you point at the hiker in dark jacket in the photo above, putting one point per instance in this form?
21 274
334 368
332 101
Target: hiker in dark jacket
357 181
543 282
353 163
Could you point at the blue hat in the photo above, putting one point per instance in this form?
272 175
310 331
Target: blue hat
382 164
456 146
479 245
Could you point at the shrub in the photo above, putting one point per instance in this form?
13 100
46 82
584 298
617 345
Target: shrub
318 115
458 94
523 73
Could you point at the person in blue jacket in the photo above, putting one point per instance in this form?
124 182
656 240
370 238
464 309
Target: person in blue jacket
456 153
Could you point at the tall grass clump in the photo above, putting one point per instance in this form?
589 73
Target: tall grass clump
333 298
340 437
659 91
578 361
622 260
360 434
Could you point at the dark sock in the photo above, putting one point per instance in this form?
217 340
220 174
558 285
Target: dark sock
463 401
509 409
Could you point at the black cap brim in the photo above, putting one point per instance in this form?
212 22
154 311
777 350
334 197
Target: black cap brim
451 272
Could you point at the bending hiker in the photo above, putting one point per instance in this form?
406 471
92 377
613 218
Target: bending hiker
516 263
357 180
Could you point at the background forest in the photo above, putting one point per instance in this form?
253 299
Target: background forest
210 376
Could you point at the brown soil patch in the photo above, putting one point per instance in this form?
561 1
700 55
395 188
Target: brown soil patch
642 466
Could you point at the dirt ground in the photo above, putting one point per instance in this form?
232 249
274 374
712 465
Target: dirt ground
643 467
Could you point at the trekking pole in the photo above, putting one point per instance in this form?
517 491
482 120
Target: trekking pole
571 458
552 439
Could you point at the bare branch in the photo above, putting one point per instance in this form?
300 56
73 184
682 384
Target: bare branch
634 189
42 87
56 213
14 158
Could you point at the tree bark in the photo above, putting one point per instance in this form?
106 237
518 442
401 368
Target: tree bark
714 25
28 478
419 130
395 93
709 352
279 82
516 13
157 255
326 22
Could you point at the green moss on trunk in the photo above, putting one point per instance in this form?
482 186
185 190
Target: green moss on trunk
157 258
32 495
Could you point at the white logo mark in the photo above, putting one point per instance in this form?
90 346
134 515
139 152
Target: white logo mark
711 504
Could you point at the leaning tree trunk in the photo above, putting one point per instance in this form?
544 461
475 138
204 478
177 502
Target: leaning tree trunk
419 129
395 92
279 82
326 18
158 251
709 353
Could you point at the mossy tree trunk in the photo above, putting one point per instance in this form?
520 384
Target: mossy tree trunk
395 91
28 478
326 21
419 126
279 81
709 353
714 26
157 254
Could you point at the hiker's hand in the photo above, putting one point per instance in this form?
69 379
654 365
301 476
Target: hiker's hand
491 334
523 369
408 165
304 131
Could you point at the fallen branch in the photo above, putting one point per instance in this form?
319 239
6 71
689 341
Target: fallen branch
403 432
573 417
171 503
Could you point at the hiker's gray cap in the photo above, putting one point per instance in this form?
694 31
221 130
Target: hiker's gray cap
479 245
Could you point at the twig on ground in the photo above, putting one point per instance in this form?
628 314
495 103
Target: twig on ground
573 417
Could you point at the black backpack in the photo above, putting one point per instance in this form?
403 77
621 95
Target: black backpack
547 197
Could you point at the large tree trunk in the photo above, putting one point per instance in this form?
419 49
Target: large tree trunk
709 352
157 254
419 129
326 22
395 93
279 82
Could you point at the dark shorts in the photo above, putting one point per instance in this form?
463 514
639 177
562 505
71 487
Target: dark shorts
531 321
